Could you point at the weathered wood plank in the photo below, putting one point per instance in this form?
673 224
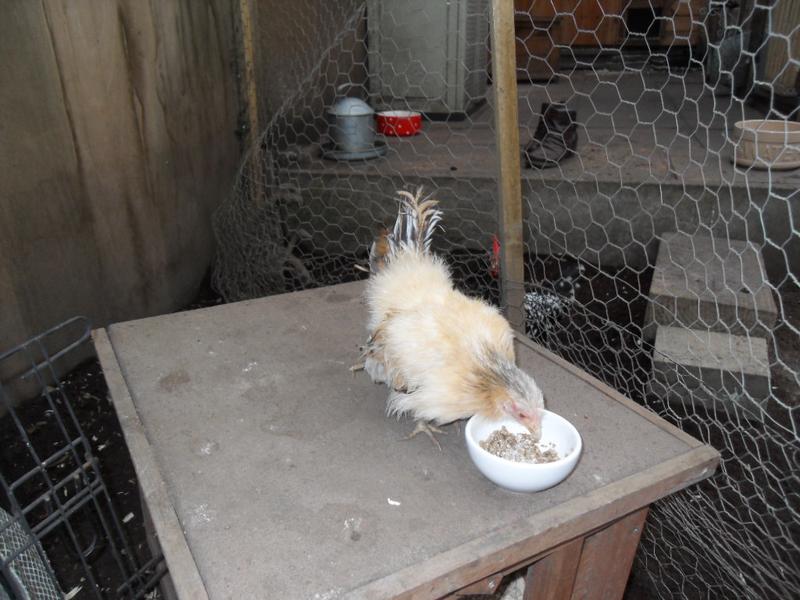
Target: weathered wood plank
211 375
515 545
552 577
119 140
606 560
248 83
485 586
504 70
183 571
591 22
45 227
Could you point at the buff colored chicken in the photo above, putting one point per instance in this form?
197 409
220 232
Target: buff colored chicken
443 355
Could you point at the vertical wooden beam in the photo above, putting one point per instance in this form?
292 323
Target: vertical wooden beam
249 88
249 92
552 577
607 558
508 158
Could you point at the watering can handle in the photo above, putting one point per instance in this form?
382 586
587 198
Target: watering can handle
343 86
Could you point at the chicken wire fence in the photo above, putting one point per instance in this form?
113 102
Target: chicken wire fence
651 259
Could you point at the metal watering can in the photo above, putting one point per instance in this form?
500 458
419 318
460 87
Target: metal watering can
351 124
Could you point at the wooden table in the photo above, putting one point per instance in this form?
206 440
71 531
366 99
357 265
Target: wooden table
271 471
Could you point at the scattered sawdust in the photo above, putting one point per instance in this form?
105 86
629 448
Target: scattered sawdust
200 515
330 594
209 447
352 529
520 447
73 592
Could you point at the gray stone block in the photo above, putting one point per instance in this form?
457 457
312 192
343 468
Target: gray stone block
706 283
714 369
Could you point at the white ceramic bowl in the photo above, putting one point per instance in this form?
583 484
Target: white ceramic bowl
768 144
519 476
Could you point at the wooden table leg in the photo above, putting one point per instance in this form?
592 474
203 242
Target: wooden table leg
592 568
552 577
607 557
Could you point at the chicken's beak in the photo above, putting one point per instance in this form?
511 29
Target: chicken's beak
534 424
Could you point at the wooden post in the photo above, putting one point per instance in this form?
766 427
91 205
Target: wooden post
248 70
249 94
508 158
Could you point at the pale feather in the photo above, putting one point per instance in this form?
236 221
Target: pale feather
433 338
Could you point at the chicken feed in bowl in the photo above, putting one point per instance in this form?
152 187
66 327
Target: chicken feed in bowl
518 447
560 444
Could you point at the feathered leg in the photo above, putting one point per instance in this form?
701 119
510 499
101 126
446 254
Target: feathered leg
374 360
397 399
375 369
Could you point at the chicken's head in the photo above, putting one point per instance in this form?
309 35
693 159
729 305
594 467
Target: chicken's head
525 402
511 391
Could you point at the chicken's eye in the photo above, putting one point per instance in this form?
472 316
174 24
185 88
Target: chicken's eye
518 411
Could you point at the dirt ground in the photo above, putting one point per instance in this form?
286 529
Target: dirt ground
86 389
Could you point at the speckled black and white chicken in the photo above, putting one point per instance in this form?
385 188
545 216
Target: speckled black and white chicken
545 306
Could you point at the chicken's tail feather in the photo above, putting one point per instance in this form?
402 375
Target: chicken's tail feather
417 220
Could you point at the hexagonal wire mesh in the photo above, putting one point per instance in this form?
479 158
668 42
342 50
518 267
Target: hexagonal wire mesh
652 260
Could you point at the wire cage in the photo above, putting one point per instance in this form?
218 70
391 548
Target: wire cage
60 536
654 256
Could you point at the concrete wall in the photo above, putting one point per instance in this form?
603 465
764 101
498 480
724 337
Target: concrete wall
117 140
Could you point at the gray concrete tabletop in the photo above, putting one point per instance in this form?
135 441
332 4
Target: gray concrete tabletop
289 481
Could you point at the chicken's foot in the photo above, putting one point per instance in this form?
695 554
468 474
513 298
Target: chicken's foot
357 367
428 429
